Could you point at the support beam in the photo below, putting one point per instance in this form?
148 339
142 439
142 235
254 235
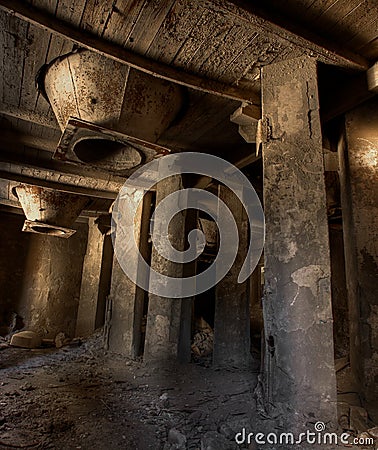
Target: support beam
168 317
14 173
231 321
95 281
11 138
48 121
125 336
358 152
38 17
299 357
19 159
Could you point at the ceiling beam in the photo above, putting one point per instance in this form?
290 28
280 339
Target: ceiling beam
22 155
70 188
111 50
13 138
29 116
287 29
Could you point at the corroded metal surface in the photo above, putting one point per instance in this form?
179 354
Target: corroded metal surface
85 143
115 97
48 208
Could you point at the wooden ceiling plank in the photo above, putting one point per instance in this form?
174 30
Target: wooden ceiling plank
235 43
197 120
221 130
34 59
95 16
151 18
349 25
70 11
175 30
277 26
3 23
315 10
334 14
371 49
366 35
15 45
202 34
260 52
122 55
124 15
216 40
210 120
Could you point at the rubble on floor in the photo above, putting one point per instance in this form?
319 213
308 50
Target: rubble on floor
79 398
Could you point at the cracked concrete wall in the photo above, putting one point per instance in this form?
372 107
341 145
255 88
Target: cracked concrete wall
358 153
49 296
299 361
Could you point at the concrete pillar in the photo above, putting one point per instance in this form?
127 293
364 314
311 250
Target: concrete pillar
299 359
51 283
231 320
95 281
358 153
127 298
165 340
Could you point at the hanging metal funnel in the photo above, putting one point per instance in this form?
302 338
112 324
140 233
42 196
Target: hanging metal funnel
124 102
49 211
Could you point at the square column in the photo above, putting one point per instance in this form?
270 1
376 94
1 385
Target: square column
232 318
95 281
167 337
299 357
358 153
127 298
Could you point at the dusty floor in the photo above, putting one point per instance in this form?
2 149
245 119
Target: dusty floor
80 398
77 398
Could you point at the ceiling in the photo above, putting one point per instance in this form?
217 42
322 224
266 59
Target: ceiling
214 40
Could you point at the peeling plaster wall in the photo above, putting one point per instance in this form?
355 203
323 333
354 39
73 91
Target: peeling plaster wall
358 152
299 363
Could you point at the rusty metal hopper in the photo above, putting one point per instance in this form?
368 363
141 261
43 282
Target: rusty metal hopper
120 102
49 211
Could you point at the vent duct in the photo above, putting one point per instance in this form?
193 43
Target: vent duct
48 211
124 102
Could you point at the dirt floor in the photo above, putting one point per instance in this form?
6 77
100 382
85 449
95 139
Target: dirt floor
79 398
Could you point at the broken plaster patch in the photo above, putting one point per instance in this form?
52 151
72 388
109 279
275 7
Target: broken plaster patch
309 276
